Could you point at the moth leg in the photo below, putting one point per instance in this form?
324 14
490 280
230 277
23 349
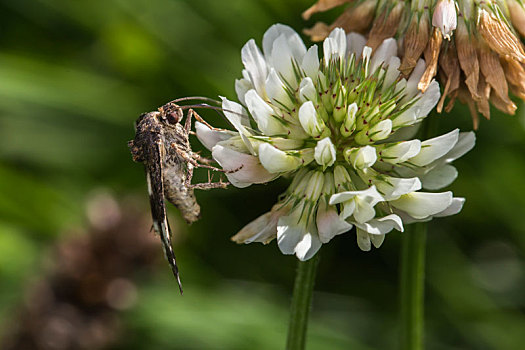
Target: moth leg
199 118
210 185
201 159
187 124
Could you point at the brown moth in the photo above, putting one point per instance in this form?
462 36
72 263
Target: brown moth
162 143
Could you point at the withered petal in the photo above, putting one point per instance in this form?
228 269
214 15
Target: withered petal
322 5
414 42
494 75
499 37
318 32
468 58
385 26
431 58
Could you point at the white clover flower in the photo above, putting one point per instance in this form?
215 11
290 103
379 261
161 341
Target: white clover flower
337 126
445 17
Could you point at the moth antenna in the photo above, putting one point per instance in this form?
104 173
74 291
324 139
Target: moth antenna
201 98
205 106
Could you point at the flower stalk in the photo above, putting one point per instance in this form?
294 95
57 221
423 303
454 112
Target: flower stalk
413 286
301 303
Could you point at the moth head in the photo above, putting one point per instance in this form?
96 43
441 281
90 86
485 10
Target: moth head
171 114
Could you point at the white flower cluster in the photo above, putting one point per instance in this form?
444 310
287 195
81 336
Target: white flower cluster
342 128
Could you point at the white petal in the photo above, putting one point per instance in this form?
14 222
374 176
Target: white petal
365 56
362 157
248 169
377 240
255 65
348 209
435 148
310 63
364 211
439 177
392 73
383 225
454 208
381 130
238 117
312 124
282 60
307 91
334 47
273 33
383 53
276 91
307 246
370 195
401 151
261 230
329 223
241 87
264 228
421 205
407 118
363 240
402 134
263 114
428 100
393 187
324 153
355 43
209 137
413 80
288 235
290 230
277 161
465 143
297 47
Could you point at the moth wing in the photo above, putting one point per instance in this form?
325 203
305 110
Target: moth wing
155 156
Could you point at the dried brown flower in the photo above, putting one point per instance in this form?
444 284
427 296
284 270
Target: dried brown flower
473 47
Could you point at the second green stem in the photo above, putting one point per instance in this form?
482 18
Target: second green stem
413 286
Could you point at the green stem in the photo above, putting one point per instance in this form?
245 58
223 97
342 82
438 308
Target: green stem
301 301
413 286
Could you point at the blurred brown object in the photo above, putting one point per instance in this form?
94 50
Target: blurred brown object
89 279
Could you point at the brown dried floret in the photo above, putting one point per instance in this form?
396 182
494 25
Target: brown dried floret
431 58
323 5
468 58
354 19
414 42
385 26
450 74
495 76
499 37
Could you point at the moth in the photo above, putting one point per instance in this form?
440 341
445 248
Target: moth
162 144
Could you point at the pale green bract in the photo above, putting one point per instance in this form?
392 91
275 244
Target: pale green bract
342 128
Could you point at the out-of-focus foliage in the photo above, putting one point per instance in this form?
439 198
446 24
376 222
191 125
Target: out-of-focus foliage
74 75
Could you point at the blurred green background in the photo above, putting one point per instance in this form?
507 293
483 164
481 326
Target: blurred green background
74 75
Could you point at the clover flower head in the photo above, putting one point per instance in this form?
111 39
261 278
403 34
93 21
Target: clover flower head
341 127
